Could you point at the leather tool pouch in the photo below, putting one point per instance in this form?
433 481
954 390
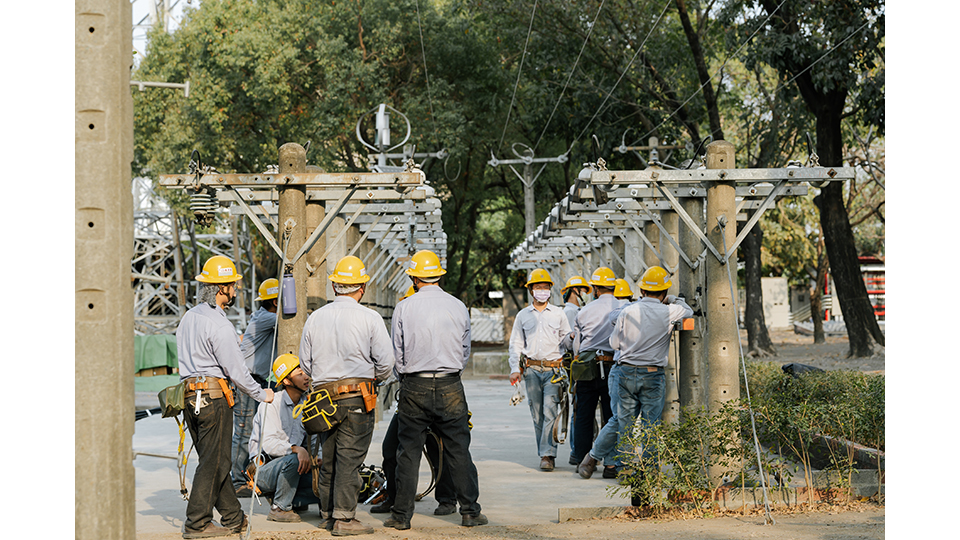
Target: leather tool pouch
318 412
369 396
227 393
585 367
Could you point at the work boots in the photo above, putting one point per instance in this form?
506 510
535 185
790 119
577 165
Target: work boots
546 463
350 527
282 516
587 466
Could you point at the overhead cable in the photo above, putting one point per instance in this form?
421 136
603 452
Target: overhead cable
570 75
519 71
622 75
426 77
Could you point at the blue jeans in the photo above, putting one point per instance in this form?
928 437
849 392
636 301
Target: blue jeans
243 411
281 478
605 445
441 406
642 396
544 397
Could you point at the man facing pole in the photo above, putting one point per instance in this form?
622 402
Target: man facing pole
535 352
344 350
431 343
642 335
209 356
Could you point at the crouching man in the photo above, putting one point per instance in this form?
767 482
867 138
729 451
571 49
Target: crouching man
286 472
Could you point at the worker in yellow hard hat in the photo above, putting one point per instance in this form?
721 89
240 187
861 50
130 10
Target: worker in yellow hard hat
641 336
281 442
574 292
259 348
535 354
209 360
431 343
622 291
593 359
346 352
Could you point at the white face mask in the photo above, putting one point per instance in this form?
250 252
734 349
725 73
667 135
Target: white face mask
541 295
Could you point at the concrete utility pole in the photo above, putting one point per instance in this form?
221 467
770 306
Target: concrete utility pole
692 383
293 219
527 179
103 299
723 333
671 411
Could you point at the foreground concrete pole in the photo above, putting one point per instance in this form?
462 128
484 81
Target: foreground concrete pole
692 380
671 411
722 333
103 299
293 213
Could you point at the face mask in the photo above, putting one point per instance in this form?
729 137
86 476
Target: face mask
541 295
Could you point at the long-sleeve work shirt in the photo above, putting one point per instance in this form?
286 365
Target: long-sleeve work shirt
344 340
257 340
280 430
431 332
642 331
593 327
538 335
207 344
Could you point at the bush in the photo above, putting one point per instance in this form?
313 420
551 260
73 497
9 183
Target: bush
791 414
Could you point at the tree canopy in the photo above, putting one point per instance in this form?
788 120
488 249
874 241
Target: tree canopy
578 77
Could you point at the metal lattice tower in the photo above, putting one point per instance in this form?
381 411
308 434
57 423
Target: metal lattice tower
163 268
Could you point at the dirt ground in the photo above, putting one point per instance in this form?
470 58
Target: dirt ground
857 521
792 347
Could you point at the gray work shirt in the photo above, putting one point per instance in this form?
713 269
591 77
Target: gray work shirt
570 310
344 340
207 344
593 326
431 332
537 335
642 331
280 430
257 341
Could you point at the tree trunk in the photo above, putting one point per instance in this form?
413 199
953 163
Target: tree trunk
758 338
858 315
709 97
816 294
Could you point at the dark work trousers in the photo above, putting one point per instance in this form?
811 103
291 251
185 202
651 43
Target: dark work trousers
589 393
444 492
211 431
344 449
441 406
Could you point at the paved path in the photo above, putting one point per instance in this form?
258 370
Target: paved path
513 490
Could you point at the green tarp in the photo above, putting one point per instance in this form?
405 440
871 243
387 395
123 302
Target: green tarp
155 351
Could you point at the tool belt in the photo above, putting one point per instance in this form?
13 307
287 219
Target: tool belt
319 413
605 358
212 387
543 363
585 366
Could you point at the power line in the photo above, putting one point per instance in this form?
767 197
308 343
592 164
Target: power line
426 76
572 70
519 71
622 75
742 45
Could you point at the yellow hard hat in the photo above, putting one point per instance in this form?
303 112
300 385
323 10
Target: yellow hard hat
409 293
655 279
269 289
349 271
575 281
218 269
539 275
284 365
425 264
622 290
603 277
